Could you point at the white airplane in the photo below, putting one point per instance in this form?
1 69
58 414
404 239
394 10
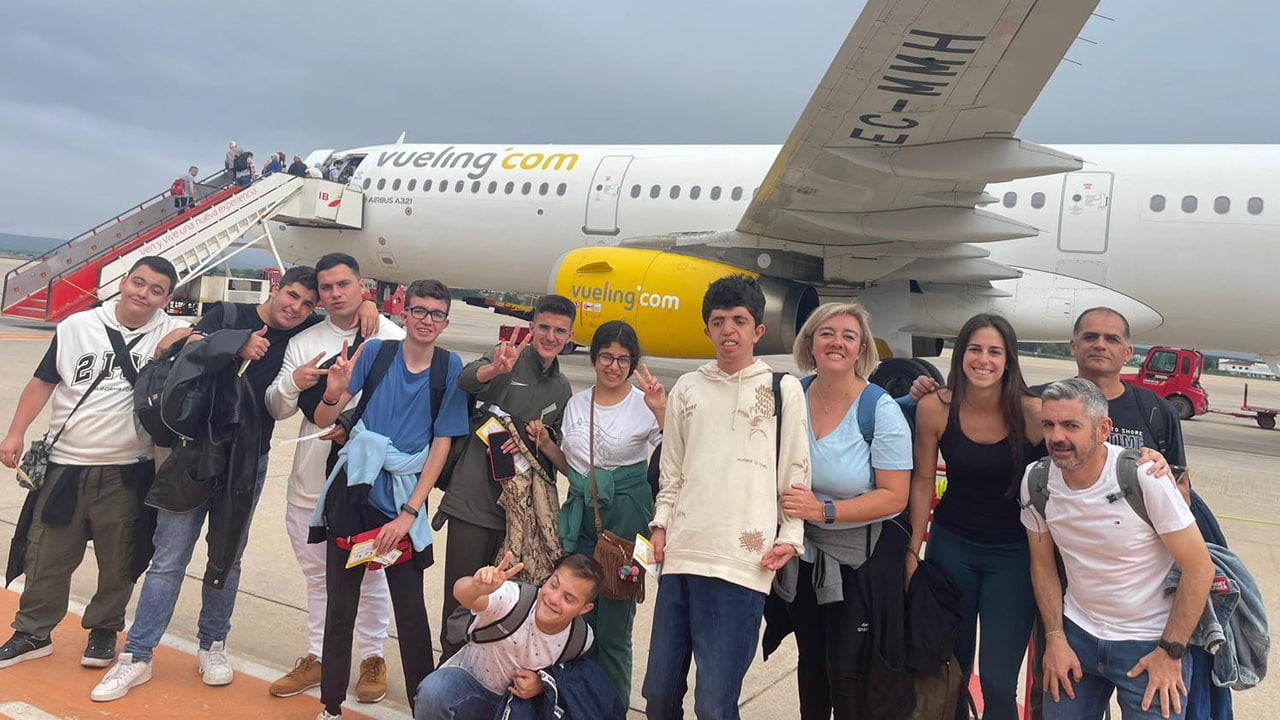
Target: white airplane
902 185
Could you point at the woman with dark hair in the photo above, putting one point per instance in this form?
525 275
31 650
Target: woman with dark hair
987 426
609 431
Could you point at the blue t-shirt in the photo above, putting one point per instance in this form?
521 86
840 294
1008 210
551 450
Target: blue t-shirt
401 409
841 462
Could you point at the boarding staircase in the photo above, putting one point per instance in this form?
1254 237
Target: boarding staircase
224 220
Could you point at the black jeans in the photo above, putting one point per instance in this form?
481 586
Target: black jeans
410 608
470 548
853 653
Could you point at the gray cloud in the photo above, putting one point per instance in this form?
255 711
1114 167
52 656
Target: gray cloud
103 104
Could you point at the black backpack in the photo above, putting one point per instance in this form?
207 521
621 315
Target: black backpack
241 162
148 387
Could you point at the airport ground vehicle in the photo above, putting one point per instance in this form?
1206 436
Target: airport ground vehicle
1174 374
1265 417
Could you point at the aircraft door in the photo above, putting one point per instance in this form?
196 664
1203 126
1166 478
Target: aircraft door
602 199
1086 212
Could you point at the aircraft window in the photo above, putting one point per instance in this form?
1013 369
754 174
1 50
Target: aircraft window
1037 200
395 184
675 191
382 183
458 186
715 192
510 188
1010 199
444 186
1189 203
475 187
524 189
493 186
544 188
367 183
1254 206
695 192
1157 203
736 194
635 191
426 185
655 191
754 193
562 188
412 184
1222 204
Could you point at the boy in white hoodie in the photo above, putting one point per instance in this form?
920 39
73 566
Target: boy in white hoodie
99 468
718 527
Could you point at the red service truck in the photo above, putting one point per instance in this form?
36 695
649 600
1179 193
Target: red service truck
1174 374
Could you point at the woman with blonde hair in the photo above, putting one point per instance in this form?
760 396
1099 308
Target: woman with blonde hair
844 596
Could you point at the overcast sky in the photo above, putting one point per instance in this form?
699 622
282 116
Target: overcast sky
103 104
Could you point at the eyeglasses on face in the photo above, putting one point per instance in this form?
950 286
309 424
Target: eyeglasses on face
546 329
418 312
607 359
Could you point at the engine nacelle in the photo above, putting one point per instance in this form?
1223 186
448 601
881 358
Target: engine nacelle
660 294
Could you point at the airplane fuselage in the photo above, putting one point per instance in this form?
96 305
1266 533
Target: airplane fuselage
1200 271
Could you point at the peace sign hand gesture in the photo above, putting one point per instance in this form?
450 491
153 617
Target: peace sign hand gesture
306 376
488 579
340 372
655 396
504 358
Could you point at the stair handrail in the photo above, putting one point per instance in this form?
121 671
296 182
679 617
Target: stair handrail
119 218
164 225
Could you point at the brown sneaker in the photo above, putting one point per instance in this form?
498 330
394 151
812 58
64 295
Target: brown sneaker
304 676
372 685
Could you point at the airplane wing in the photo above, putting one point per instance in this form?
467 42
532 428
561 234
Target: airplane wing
884 171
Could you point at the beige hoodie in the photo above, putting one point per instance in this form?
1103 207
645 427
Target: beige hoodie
720 488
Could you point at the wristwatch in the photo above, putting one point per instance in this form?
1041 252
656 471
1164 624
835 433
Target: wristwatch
828 512
1175 649
406 507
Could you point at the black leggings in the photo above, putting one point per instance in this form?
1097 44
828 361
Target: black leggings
853 653
407 602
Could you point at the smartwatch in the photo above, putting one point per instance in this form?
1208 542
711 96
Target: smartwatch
828 512
1175 649
406 507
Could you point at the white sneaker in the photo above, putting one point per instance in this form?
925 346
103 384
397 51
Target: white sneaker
123 675
215 669
324 715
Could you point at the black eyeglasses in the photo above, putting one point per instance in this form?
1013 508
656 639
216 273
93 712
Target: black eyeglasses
624 361
417 312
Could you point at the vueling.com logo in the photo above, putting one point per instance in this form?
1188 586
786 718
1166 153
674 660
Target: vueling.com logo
478 163
626 298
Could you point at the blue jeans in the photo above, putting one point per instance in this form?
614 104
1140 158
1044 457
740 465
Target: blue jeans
1106 664
995 582
709 620
451 693
176 537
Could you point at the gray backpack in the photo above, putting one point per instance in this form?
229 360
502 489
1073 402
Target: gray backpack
1126 476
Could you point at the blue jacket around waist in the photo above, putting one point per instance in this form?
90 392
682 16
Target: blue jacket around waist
1233 625
365 456
577 690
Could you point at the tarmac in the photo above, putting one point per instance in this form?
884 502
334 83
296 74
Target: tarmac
1233 465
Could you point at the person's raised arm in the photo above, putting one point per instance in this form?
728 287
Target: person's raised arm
336 394
504 360
473 592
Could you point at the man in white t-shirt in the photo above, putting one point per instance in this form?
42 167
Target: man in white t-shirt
341 292
1115 623
470 685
